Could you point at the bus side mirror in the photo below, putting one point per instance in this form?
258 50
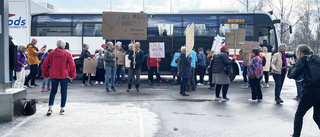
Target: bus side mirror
290 29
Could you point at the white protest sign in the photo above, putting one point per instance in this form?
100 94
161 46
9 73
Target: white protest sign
219 42
157 50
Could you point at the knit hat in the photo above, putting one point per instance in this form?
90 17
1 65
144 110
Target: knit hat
223 47
103 45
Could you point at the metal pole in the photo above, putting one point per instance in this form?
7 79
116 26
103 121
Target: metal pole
4 42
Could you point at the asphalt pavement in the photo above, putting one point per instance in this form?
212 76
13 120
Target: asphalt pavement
161 111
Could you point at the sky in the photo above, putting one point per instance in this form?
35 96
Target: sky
150 6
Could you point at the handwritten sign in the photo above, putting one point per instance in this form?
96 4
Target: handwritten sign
89 66
219 42
120 56
157 50
124 25
127 61
235 39
190 39
249 45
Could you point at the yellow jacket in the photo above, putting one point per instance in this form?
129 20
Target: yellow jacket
32 54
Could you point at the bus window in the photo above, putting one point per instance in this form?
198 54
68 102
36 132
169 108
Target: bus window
164 25
51 25
204 25
273 37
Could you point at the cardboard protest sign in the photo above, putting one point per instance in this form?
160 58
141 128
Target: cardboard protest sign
268 61
245 57
157 50
89 66
190 39
217 43
124 25
120 56
235 39
127 61
249 45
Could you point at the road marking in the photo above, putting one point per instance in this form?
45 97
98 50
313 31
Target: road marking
16 127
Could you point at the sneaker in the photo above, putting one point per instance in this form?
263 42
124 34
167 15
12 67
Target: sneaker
225 99
267 85
96 83
35 85
112 88
49 89
83 85
149 81
199 84
44 90
49 112
217 99
61 112
185 94
297 99
160 81
101 83
107 89
245 86
128 90
253 100
137 89
279 100
26 86
31 86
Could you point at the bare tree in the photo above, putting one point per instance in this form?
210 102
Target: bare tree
317 2
252 5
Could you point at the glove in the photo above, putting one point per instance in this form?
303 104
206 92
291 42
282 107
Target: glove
44 46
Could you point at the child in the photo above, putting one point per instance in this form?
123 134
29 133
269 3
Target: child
45 81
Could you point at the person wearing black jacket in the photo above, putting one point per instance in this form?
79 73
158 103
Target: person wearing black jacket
184 70
311 94
85 54
137 59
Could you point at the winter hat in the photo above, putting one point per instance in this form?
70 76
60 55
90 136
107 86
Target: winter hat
103 45
223 47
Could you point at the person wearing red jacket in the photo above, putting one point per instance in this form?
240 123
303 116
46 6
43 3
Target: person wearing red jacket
152 64
59 67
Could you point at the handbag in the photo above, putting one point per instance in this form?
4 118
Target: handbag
251 75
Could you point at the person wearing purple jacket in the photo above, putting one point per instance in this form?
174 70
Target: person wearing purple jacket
22 64
255 70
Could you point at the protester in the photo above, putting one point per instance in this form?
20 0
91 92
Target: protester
67 48
104 46
184 70
100 72
219 76
120 67
191 82
153 65
201 66
311 94
279 71
266 70
244 75
265 44
130 46
33 60
45 81
62 68
137 58
85 54
210 65
21 67
174 66
255 72
110 59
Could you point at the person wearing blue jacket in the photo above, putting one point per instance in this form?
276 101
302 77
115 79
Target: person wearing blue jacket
201 65
42 56
191 82
184 70
174 66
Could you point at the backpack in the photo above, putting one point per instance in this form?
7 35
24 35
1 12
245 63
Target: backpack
264 61
29 107
313 62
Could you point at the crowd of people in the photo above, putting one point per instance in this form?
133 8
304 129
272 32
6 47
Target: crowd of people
57 66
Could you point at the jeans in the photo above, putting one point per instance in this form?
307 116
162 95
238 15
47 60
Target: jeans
201 71
100 74
110 72
20 78
255 88
279 80
310 98
153 70
183 85
64 88
120 71
32 75
244 74
299 87
46 81
174 71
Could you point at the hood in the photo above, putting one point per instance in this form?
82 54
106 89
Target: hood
59 53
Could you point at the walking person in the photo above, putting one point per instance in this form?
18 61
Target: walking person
174 66
62 68
100 71
201 66
33 60
110 59
21 67
85 54
278 65
311 94
219 76
255 73
137 58
184 70
45 82
153 64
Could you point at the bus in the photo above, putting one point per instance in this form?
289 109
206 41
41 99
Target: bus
79 29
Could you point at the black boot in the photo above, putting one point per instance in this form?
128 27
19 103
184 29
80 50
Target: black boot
129 87
137 87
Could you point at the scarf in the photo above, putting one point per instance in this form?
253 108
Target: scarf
284 59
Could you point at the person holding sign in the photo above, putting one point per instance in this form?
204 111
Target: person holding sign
120 62
219 76
100 72
184 70
85 54
153 64
110 59
136 57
